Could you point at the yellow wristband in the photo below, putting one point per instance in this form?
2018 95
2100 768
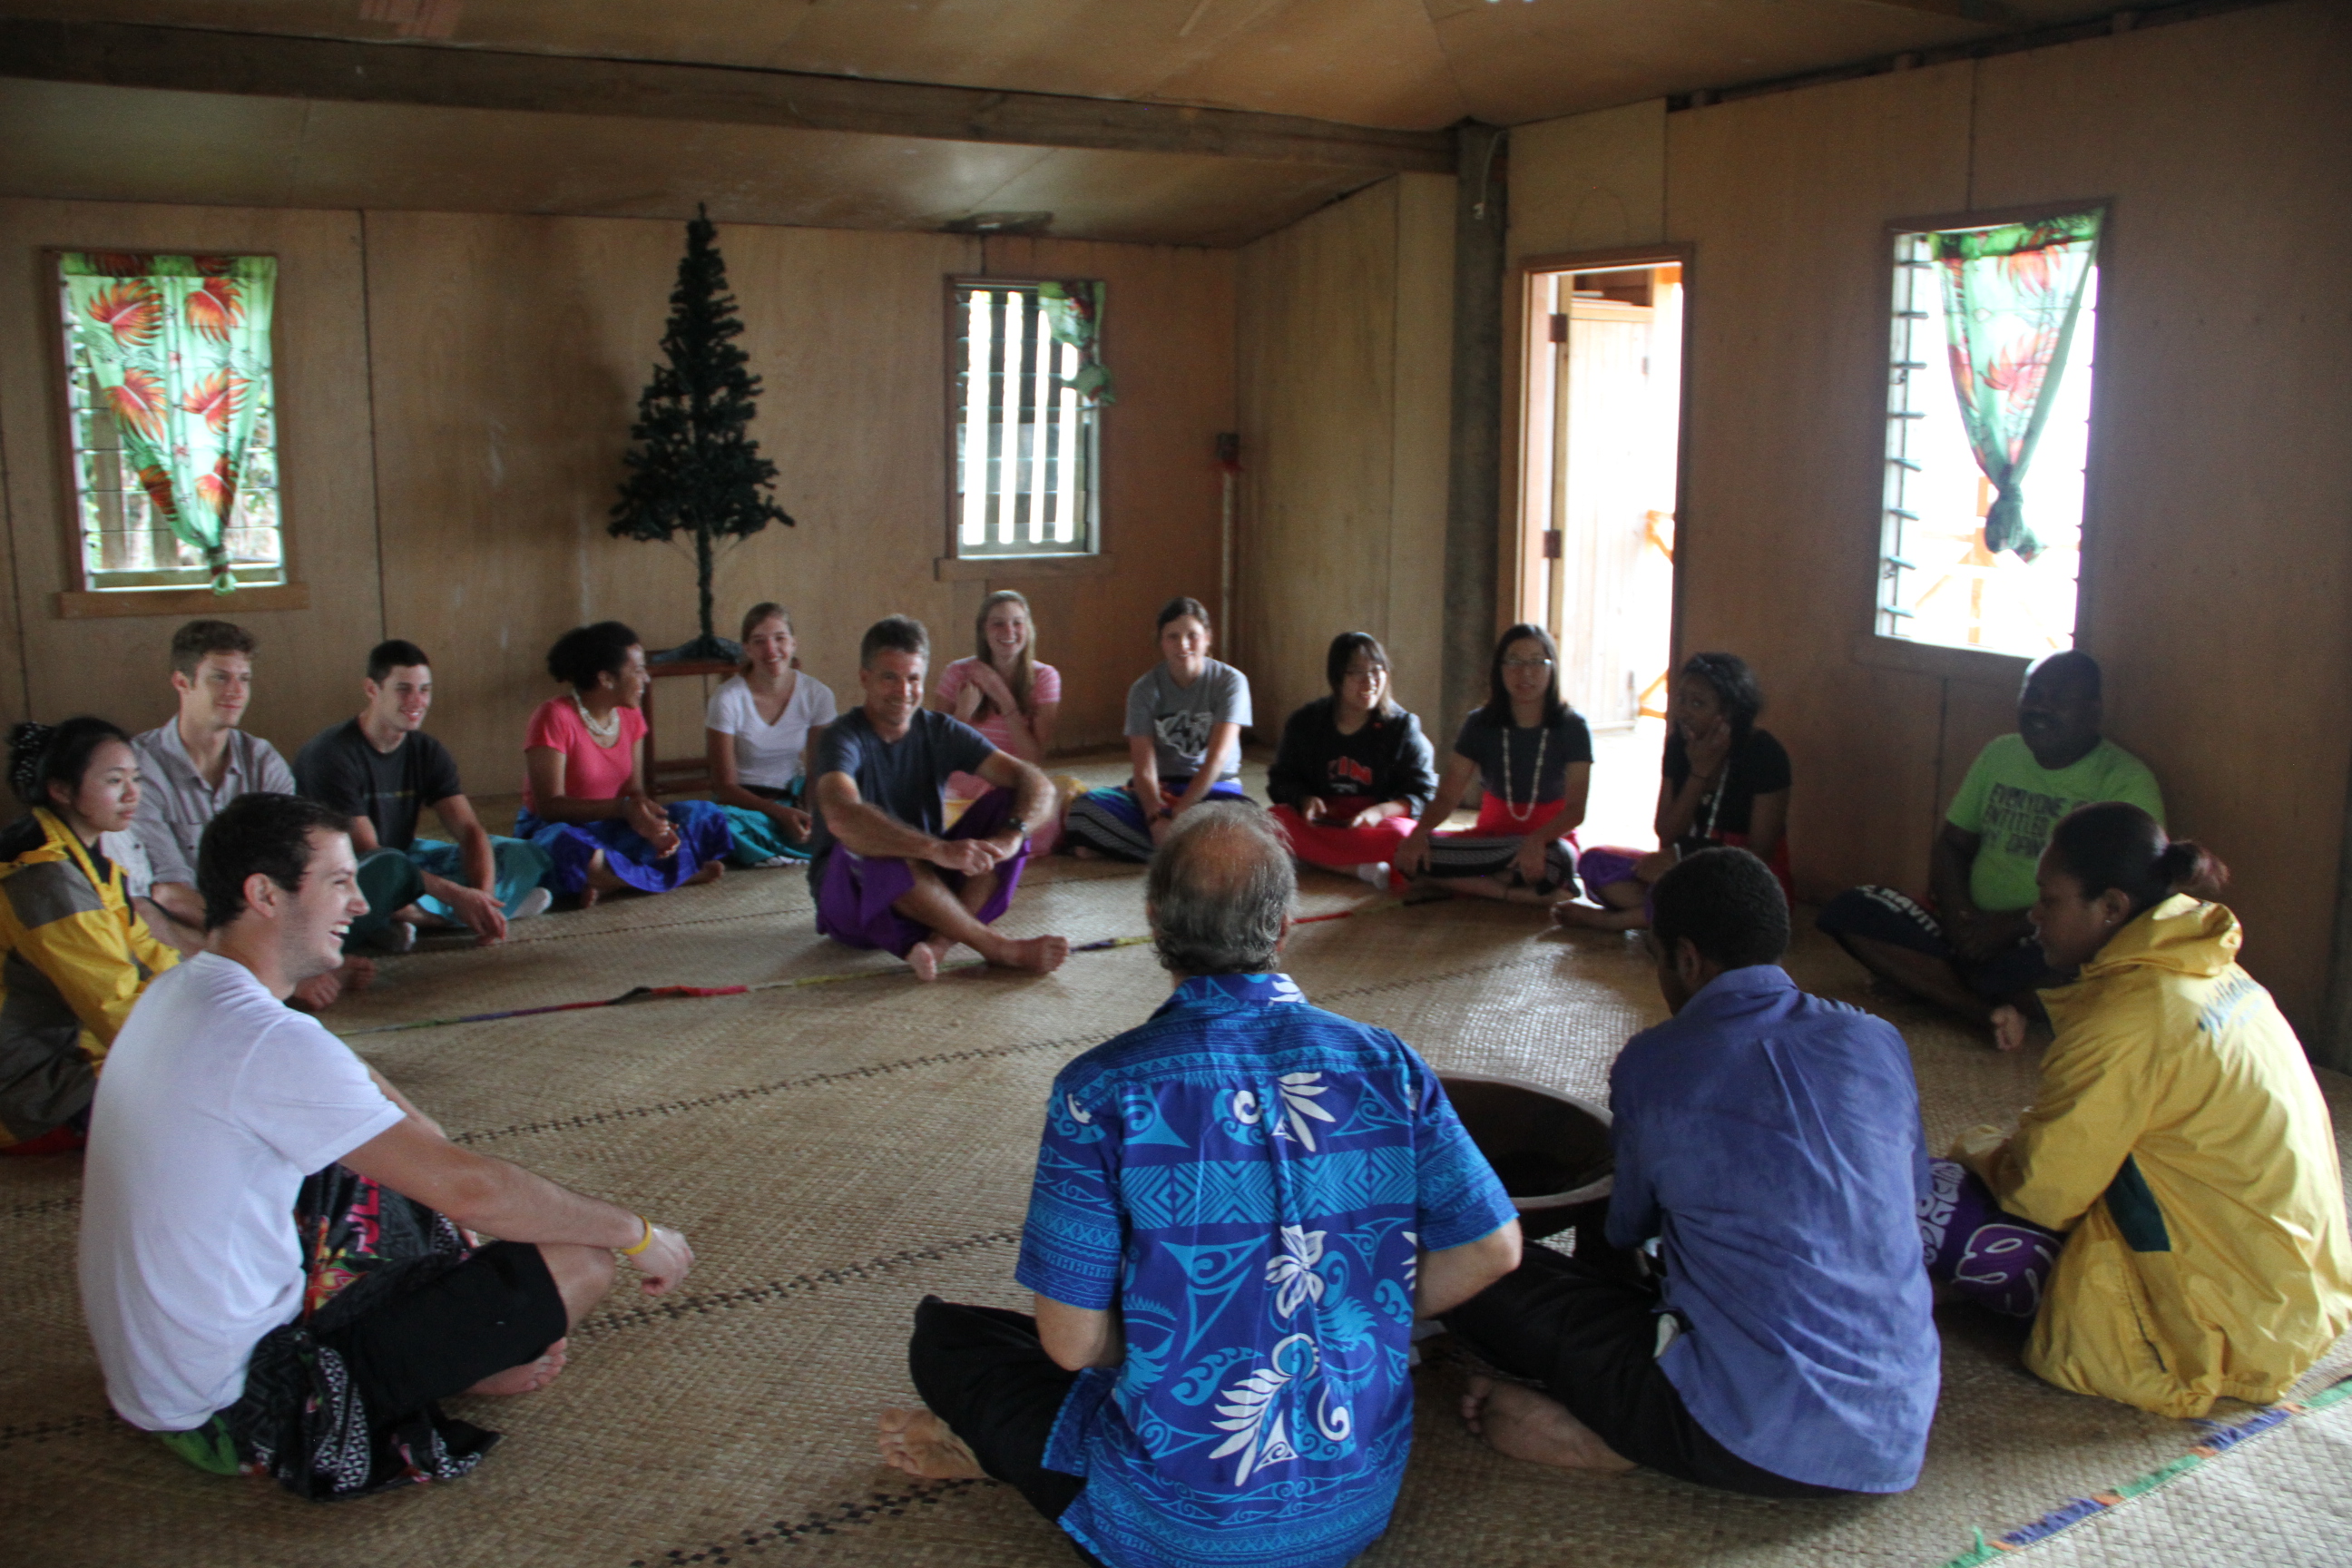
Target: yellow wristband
642 1242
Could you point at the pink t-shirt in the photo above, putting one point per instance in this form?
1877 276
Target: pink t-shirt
591 771
1044 686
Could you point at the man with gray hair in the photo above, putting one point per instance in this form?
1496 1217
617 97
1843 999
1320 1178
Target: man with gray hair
1240 1209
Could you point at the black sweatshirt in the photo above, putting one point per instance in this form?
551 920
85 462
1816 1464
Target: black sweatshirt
1388 759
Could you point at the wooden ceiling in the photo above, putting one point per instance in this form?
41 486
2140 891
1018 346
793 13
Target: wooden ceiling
195 121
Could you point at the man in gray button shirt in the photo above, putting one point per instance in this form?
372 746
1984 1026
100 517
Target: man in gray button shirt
193 766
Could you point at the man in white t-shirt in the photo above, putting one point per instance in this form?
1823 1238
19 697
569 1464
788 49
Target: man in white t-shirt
274 1263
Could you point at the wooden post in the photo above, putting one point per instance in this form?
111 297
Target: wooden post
1474 498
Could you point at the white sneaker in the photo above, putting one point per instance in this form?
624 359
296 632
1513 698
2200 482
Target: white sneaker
534 902
398 936
1376 873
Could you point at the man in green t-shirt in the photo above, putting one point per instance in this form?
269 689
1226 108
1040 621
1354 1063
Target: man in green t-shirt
1970 947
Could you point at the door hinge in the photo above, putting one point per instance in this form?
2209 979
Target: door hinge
1552 544
1559 329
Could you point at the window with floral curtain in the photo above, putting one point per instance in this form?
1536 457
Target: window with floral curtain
171 417
1989 413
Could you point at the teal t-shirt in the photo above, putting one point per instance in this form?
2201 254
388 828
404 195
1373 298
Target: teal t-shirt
2012 803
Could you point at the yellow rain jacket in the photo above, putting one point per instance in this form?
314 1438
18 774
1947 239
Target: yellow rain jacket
73 958
2181 1138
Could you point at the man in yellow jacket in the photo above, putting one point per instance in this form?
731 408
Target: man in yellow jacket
2179 1139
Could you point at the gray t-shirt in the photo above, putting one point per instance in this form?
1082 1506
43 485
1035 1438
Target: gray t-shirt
905 778
1179 719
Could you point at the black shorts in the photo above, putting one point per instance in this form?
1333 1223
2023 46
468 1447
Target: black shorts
1899 919
431 1331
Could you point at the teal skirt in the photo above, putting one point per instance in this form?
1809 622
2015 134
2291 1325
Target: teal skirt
758 839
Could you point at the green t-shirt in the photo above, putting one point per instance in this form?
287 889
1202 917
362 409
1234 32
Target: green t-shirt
2012 803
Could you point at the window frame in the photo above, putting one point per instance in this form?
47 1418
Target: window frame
1870 645
83 600
954 562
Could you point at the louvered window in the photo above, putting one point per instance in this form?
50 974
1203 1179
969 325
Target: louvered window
1026 441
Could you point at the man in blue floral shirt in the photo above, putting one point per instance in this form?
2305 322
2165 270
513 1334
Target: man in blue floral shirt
1240 1209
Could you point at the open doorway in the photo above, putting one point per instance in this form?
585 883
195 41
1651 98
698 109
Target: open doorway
1602 444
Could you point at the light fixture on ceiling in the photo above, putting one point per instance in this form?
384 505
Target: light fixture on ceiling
999 223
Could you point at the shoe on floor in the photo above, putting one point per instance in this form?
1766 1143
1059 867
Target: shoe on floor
534 902
1376 873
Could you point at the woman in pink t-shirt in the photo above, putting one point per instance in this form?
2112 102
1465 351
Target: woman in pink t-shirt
584 798
1005 693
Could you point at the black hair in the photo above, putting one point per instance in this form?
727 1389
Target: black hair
1734 685
398 653
1344 649
2073 662
2114 844
897 634
260 832
192 642
40 756
584 653
1727 903
1178 607
1497 711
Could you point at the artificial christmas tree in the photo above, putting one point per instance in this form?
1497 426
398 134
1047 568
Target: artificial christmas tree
694 468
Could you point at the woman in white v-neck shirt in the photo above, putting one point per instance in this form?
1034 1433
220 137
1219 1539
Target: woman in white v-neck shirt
758 727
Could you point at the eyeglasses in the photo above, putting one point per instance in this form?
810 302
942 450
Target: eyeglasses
1527 664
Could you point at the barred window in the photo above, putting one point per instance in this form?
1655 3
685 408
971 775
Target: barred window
1025 396
172 419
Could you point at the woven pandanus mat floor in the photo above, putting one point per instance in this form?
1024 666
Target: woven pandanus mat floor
836 1149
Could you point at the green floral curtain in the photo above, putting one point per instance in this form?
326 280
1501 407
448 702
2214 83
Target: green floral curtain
2011 298
180 346
1073 311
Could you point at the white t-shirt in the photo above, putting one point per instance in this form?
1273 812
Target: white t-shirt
217 1100
767 754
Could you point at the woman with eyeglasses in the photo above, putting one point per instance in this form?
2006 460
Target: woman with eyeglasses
1353 769
1532 755
1724 781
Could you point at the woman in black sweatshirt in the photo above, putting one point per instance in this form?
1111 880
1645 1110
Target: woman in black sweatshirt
1354 769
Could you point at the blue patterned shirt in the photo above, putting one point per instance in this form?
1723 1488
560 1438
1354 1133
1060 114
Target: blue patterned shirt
1249 1181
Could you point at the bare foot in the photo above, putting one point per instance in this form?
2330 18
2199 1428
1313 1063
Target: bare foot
2007 1029
527 1378
920 1443
712 871
1572 916
926 956
1528 1425
1038 954
600 882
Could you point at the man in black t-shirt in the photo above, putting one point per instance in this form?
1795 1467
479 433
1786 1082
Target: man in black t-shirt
883 871
382 771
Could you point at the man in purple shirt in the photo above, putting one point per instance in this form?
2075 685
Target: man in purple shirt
1770 1158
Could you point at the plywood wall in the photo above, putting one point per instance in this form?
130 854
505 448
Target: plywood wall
2221 510
458 390
1346 334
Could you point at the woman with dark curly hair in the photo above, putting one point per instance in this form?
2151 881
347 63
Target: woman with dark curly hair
73 954
587 802
1724 781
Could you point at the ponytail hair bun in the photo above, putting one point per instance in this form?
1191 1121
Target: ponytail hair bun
2114 845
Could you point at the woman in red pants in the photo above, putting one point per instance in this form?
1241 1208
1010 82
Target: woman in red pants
1354 769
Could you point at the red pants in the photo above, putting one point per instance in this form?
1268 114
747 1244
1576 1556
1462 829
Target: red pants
1342 848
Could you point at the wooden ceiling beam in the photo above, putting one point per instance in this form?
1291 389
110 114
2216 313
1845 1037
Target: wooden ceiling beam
190 59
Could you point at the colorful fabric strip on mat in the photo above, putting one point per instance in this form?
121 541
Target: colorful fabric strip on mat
2220 1439
1371 906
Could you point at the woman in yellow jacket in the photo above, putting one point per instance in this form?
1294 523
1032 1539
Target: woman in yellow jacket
73 956
2177 1140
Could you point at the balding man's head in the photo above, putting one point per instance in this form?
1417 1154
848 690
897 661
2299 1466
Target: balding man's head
1219 892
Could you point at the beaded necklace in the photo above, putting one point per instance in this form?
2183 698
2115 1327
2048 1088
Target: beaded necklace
604 735
1535 784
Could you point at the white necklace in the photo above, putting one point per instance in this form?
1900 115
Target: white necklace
1535 784
606 732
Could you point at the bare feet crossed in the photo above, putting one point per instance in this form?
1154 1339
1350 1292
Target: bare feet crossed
920 1443
1525 1425
527 1378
